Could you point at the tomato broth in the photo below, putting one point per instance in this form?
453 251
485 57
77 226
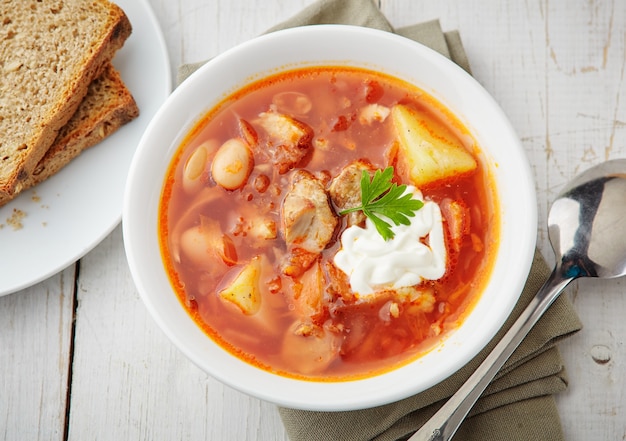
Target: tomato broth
268 290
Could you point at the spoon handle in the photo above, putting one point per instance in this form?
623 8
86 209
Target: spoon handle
443 425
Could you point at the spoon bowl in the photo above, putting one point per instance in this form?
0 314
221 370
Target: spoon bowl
585 220
586 229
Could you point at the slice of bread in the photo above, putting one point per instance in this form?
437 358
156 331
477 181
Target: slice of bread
50 51
107 106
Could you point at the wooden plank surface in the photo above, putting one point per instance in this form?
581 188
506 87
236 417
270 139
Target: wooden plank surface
35 342
557 70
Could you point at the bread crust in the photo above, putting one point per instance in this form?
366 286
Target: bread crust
19 158
107 106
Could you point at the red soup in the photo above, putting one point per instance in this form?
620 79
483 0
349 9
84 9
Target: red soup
328 223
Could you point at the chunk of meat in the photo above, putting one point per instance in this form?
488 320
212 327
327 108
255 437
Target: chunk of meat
309 294
457 219
307 218
345 189
373 113
289 139
420 298
339 284
297 261
308 221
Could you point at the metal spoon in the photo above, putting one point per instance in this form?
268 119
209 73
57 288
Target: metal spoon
587 230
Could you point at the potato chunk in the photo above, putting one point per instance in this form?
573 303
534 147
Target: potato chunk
428 156
244 291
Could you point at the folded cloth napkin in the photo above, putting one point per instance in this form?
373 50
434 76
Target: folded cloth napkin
519 404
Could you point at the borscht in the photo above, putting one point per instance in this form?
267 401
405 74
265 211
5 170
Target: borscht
328 223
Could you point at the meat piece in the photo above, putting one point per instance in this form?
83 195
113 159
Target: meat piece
345 189
373 113
297 261
339 284
308 329
307 219
289 139
309 293
457 219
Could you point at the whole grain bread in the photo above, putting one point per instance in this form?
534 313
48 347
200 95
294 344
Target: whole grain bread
50 51
107 106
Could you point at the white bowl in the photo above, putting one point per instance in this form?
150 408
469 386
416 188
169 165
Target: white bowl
328 45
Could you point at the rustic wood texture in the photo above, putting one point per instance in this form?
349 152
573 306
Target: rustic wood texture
81 359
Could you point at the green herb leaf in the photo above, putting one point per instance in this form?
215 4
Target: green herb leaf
380 196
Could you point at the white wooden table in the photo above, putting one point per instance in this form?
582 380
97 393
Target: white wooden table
81 359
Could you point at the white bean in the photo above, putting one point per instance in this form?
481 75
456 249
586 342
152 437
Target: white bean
197 246
232 164
196 165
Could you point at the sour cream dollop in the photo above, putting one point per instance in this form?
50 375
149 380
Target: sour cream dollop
373 263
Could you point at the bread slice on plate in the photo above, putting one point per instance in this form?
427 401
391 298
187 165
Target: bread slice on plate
50 51
107 106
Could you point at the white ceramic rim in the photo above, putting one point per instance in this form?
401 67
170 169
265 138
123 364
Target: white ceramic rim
332 45
74 210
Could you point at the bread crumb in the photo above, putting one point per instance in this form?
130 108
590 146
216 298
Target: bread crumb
15 220
35 197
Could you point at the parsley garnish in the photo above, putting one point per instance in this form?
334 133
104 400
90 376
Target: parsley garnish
380 196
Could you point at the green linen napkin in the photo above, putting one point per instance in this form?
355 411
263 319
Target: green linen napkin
519 404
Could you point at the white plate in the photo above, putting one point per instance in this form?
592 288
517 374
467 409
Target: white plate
70 213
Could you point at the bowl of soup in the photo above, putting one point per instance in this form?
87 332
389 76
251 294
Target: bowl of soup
330 218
